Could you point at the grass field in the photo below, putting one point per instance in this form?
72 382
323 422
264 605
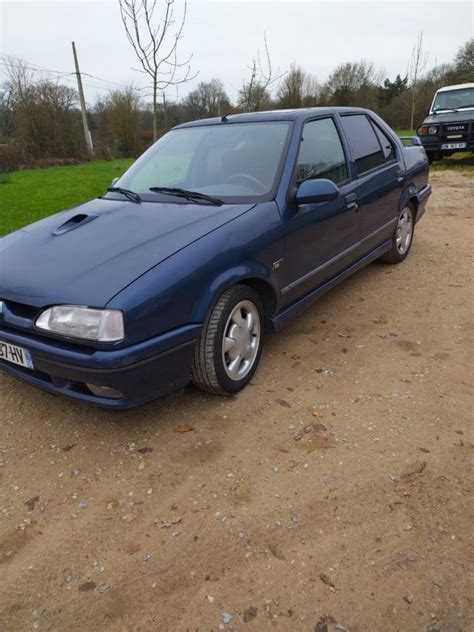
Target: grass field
29 195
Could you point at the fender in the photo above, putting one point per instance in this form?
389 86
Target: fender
246 271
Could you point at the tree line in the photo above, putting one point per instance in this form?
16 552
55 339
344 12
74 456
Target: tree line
40 121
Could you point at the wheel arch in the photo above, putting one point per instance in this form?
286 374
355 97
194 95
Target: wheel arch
409 196
259 281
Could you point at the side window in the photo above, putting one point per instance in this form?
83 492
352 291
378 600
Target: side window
321 154
364 142
385 142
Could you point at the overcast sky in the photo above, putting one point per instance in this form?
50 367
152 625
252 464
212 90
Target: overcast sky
224 36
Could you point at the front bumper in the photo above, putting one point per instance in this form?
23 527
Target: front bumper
142 372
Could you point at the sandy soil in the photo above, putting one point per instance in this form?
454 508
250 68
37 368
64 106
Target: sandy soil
334 493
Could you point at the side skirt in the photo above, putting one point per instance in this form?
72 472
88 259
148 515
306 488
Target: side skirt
301 304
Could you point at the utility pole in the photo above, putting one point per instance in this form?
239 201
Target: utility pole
85 124
165 114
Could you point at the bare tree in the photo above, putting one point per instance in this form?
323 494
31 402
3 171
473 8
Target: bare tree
208 99
298 89
255 92
416 66
155 39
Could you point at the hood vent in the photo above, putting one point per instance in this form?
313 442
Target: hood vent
74 222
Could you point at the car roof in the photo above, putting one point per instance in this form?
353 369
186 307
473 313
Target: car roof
270 115
458 86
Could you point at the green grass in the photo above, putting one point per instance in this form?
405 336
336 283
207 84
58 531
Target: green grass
29 195
406 132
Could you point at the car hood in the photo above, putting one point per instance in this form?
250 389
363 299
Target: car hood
88 254
449 117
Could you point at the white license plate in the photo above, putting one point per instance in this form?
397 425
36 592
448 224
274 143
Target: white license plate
16 355
454 146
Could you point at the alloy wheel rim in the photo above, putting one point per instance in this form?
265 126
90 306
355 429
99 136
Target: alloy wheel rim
404 231
241 340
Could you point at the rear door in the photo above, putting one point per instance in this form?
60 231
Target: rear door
321 238
380 178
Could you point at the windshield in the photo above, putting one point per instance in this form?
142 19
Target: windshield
235 162
454 99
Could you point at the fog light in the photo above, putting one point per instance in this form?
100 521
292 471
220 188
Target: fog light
104 391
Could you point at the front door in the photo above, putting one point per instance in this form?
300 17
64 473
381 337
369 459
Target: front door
322 238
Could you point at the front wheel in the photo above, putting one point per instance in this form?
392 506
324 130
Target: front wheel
228 351
403 236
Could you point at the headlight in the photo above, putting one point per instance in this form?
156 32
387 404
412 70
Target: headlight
101 325
432 130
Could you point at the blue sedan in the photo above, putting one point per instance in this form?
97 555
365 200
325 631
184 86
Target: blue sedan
223 230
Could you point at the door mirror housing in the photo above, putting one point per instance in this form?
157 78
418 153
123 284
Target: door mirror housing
316 190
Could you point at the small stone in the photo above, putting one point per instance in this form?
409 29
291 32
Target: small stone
210 598
275 468
175 534
147 557
408 598
250 614
39 612
295 519
227 617
408 527
82 505
278 524
141 466
75 472
86 586
129 517
394 477
95 563
104 588
256 494
68 579
241 535
436 583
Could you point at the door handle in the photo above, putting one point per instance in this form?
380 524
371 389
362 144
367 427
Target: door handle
400 175
351 201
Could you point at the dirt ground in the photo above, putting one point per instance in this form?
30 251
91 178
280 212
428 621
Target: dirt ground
334 493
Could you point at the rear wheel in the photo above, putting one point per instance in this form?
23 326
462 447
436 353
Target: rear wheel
228 351
403 236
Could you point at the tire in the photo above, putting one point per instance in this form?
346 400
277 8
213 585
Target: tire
217 369
431 156
403 236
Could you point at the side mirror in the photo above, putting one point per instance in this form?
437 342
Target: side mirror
318 190
114 181
427 111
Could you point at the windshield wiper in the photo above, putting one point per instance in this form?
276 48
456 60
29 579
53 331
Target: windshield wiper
188 195
461 107
445 110
130 195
